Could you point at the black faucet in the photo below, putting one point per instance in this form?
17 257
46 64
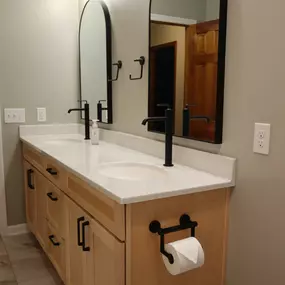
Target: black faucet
86 118
187 117
100 109
168 119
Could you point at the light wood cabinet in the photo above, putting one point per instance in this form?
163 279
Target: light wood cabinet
30 194
56 251
107 264
93 240
41 205
96 257
76 255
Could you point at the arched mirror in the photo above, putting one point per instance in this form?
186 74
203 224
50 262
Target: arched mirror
187 66
96 60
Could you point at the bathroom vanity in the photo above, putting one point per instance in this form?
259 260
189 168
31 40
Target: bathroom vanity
90 208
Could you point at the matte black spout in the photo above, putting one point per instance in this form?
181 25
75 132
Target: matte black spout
153 119
72 110
86 118
168 119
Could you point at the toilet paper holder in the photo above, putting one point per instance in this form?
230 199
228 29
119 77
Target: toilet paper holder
185 223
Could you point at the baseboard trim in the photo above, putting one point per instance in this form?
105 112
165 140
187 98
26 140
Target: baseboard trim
16 230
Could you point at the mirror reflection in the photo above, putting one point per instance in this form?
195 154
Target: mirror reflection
184 48
95 60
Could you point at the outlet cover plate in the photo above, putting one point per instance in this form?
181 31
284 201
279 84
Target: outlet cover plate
261 143
41 114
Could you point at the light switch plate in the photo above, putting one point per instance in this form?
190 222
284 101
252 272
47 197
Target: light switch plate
41 114
261 138
14 116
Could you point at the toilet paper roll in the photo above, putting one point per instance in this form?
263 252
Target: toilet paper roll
188 254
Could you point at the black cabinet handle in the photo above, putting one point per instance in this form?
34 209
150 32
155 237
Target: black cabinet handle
84 247
50 195
51 171
51 238
29 176
79 220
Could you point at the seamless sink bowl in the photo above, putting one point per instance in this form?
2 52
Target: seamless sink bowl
131 171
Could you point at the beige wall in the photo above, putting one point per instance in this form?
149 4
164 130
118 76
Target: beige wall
212 10
161 34
38 68
254 93
191 9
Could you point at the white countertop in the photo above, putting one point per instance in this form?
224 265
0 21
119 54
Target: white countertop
87 161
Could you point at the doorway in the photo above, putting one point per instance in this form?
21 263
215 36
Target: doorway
162 82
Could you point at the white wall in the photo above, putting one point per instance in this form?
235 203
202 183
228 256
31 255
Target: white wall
38 68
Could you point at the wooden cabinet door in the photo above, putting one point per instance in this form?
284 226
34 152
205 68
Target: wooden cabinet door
41 201
107 263
77 243
56 251
30 193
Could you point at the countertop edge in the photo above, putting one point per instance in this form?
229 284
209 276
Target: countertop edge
139 199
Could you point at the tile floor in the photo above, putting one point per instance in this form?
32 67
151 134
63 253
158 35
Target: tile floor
22 262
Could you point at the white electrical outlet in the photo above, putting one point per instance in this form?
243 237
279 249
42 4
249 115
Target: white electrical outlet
14 116
261 138
42 115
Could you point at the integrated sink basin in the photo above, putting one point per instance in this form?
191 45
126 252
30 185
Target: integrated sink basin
131 171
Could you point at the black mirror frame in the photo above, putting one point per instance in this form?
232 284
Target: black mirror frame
108 59
221 72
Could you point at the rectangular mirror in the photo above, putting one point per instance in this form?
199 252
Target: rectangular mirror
187 66
96 60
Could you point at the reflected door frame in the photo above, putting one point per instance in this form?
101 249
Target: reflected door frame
152 50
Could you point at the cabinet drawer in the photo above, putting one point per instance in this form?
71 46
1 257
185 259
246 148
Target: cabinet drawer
55 173
34 157
56 251
56 209
108 212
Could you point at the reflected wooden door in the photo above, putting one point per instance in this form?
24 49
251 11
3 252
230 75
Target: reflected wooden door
201 77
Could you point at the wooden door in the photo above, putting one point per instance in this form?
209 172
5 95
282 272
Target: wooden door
77 257
107 263
201 77
30 193
41 200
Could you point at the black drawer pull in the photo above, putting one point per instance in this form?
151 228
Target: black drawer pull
84 247
51 171
50 195
29 177
79 220
51 238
